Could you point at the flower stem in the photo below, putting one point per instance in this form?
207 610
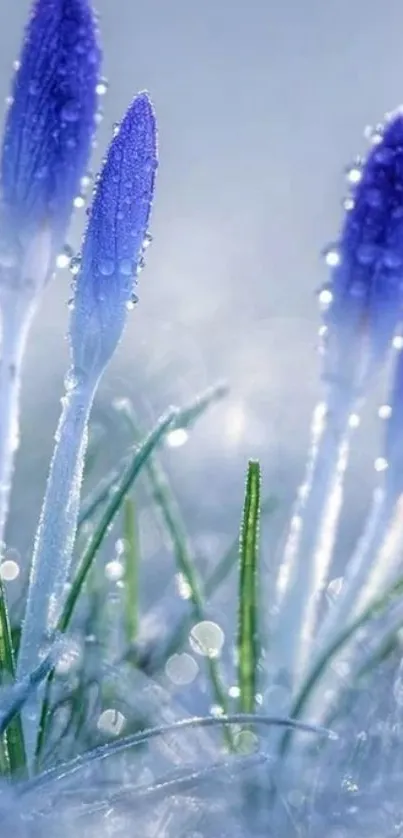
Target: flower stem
54 542
311 538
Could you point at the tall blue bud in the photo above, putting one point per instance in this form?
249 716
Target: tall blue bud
112 254
362 304
50 121
115 240
46 148
361 310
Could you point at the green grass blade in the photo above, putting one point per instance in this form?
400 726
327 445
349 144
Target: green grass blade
185 418
12 750
248 644
131 558
212 584
199 405
139 459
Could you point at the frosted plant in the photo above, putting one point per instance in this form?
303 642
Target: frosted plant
361 314
46 148
104 291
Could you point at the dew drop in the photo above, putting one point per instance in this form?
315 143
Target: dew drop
70 112
79 202
398 342
325 297
207 639
126 267
181 669
182 586
114 570
147 241
16 65
70 658
102 87
98 118
348 203
115 128
334 587
392 259
216 710
354 420
354 173
367 254
132 302
86 181
106 267
380 464
177 438
75 265
64 258
332 256
111 722
385 411
9 570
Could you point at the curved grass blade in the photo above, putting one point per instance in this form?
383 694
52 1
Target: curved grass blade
375 608
20 692
175 528
131 559
186 418
112 749
247 642
134 468
212 584
12 749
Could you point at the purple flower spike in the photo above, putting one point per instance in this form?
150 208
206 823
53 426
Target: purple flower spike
363 301
51 119
115 240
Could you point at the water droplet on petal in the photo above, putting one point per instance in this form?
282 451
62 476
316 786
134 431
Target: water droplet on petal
367 254
385 411
106 267
79 202
332 255
126 267
102 87
70 112
392 259
354 173
398 342
75 265
348 203
380 464
64 258
325 297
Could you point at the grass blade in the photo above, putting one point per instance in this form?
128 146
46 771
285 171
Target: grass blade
131 558
132 471
111 749
212 584
12 749
248 646
375 608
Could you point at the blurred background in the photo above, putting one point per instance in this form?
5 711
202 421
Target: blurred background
261 105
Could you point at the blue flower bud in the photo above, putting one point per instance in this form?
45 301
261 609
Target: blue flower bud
50 121
362 304
115 240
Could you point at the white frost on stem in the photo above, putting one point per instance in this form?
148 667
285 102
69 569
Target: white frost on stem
312 534
54 541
